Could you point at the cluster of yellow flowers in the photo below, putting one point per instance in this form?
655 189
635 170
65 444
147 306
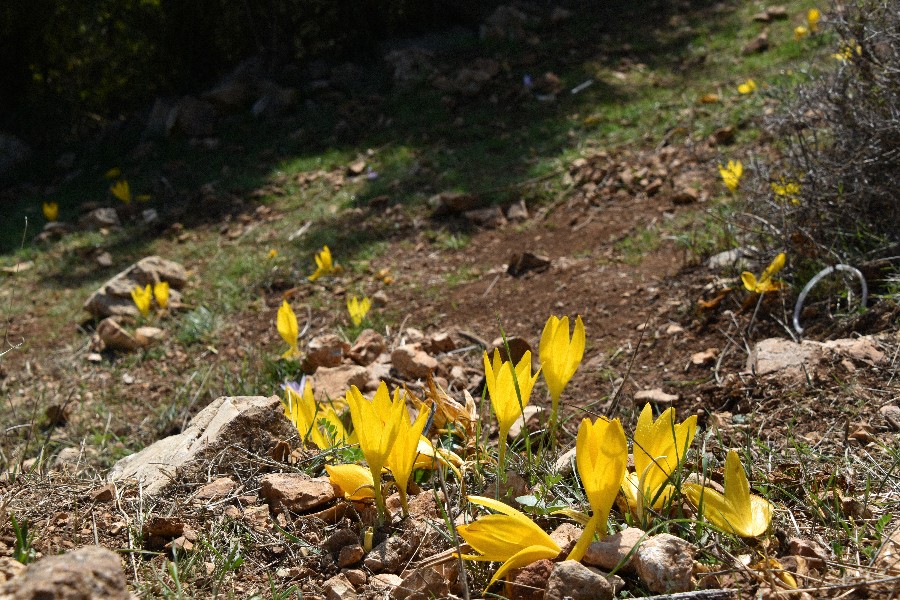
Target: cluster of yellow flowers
392 441
143 296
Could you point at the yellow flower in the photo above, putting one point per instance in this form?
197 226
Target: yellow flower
376 424
787 191
428 457
142 298
161 293
355 481
560 356
51 210
731 174
358 309
324 265
845 54
813 16
501 385
509 537
748 87
122 191
273 253
402 458
659 447
301 410
736 511
287 328
800 32
601 455
113 173
765 283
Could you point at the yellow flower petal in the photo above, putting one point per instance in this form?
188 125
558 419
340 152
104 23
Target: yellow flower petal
355 481
50 210
737 510
286 324
142 298
161 293
560 356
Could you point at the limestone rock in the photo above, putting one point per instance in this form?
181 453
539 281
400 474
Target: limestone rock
412 362
530 582
114 336
530 419
665 563
9 568
295 492
571 579
339 588
325 351
100 218
114 296
566 536
147 336
216 489
252 423
608 552
656 396
334 382
422 583
350 555
440 343
391 554
88 573
368 346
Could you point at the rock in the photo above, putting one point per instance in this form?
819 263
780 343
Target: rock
274 100
722 136
531 415
565 462
147 336
422 583
656 395
216 489
529 583
67 459
705 357
814 554
736 258
100 218
566 536
104 259
517 349
665 563
350 555
777 12
114 336
13 154
863 350
325 351
685 196
335 382
295 492
340 539
88 573
368 346
193 118
490 218
519 264
571 579
778 355
758 44
452 203
762 17
410 65
114 296
386 581
887 561
355 576
440 343
506 22
251 423
390 555
376 373
412 362
106 493
608 552
891 415
339 588
9 568
517 212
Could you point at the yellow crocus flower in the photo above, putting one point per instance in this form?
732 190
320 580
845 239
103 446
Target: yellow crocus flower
161 294
501 385
737 510
122 191
601 455
287 329
800 32
402 458
324 264
302 410
787 191
731 174
142 298
560 356
376 424
51 210
813 16
748 87
354 480
659 448
765 283
358 309
510 538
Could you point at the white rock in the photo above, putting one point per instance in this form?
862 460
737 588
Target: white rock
665 563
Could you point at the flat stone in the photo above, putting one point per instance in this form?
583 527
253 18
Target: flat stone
566 536
421 583
295 492
391 554
530 419
656 396
571 579
335 382
440 343
891 415
100 218
88 573
115 337
665 564
216 489
519 264
386 581
252 423
788 358
490 217
452 203
147 336
9 568
610 551
339 588
114 296
758 44
412 362
325 351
